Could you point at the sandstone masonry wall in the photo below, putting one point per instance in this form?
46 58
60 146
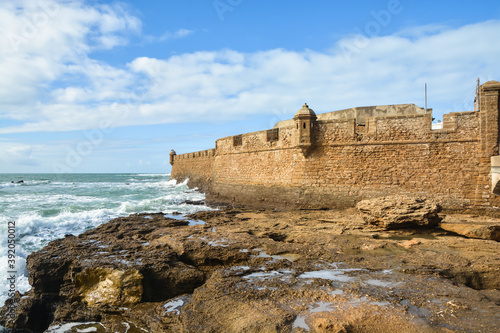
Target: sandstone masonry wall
348 161
197 167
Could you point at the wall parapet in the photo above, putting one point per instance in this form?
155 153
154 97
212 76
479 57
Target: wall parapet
197 154
267 139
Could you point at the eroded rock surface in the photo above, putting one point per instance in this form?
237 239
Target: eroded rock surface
472 226
400 211
116 287
261 271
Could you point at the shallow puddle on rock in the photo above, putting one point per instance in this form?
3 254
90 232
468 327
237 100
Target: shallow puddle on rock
284 256
365 300
175 305
211 243
322 307
300 322
216 243
328 274
196 222
131 328
262 275
336 292
415 310
284 274
380 283
237 268
183 218
79 327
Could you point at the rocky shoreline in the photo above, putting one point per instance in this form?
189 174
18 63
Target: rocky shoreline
250 270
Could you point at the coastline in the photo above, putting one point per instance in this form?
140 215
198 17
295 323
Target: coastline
243 269
45 207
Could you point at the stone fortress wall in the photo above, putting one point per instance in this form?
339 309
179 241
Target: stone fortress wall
335 159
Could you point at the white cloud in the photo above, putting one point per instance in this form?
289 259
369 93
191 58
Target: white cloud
181 33
19 155
51 83
422 31
21 151
45 42
391 69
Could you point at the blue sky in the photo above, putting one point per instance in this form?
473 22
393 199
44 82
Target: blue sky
105 86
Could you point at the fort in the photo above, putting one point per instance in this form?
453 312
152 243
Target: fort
336 159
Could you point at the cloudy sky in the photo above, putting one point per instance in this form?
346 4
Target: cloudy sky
112 86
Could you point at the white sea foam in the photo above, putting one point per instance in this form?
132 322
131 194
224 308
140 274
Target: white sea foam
24 183
2 185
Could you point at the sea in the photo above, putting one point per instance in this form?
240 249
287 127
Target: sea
38 208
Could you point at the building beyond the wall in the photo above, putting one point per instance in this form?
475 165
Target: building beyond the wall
335 159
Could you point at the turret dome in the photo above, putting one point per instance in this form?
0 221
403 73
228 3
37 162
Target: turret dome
305 111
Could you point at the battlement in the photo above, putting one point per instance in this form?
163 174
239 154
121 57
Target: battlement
198 154
337 158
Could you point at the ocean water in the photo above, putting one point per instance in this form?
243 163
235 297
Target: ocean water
45 207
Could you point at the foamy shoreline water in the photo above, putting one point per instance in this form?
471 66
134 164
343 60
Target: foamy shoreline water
46 207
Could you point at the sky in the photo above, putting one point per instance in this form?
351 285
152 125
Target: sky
112 86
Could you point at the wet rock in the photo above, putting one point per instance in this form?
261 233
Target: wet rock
399 211
194 202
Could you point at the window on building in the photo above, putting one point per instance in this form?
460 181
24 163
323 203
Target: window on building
273 135
237 140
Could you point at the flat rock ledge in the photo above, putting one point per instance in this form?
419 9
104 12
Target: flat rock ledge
400 211
242 270
472 226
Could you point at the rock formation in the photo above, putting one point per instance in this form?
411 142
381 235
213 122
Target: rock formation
479 227
259 271
399 211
